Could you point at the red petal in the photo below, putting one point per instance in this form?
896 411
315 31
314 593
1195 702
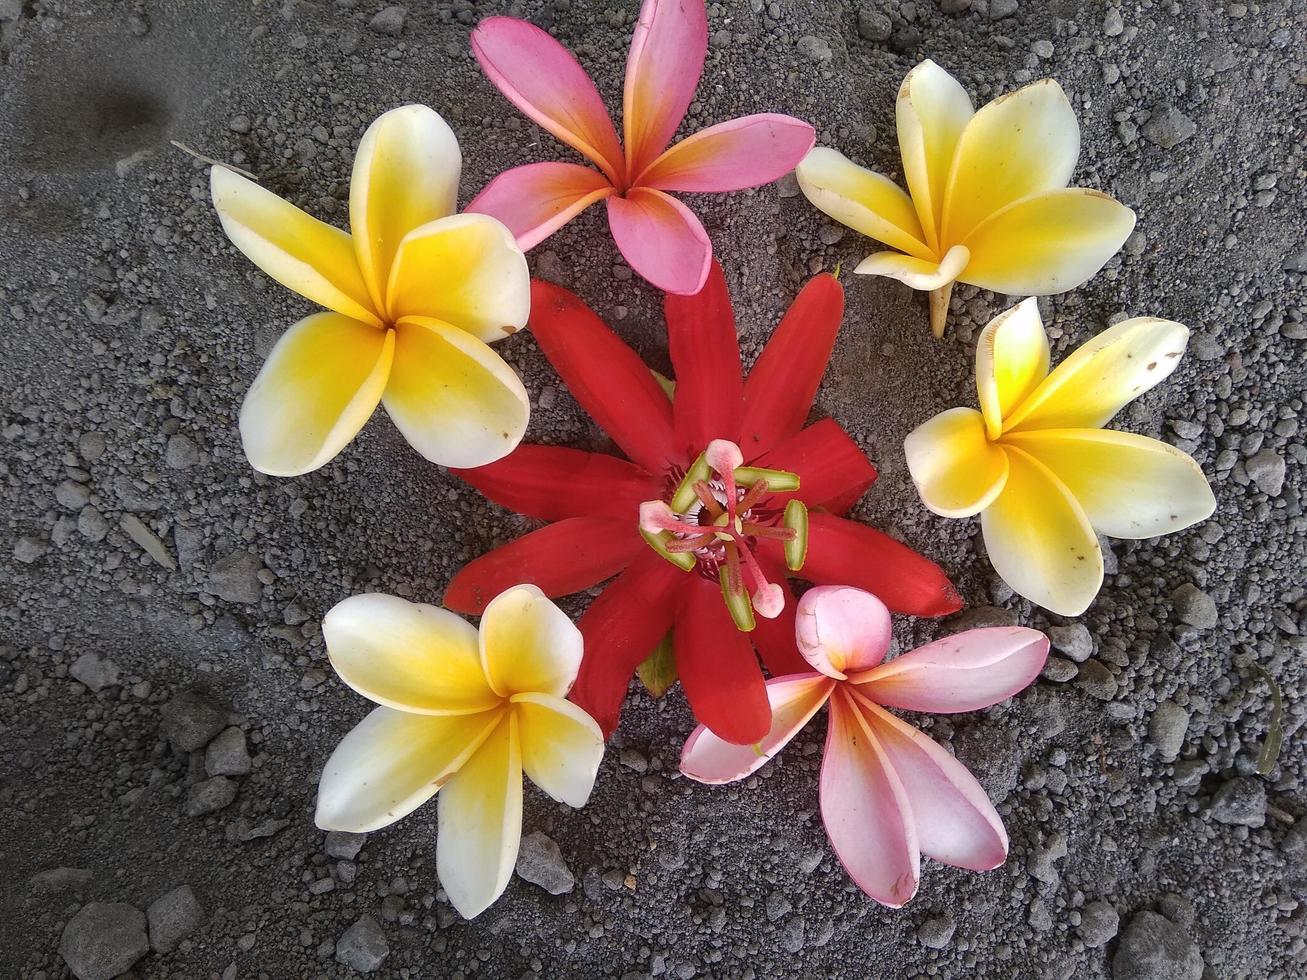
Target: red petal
774 638
833 470
718 668
551 483
621 628
706 358
784 381
604 375
841 552
561 558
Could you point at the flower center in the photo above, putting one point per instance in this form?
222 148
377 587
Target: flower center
715 520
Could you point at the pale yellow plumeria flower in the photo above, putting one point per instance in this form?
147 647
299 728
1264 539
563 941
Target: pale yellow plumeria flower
462 714
990 204
1036 463
415 295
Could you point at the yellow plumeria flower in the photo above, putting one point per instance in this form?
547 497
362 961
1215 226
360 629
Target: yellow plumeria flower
990 204
1036 463
462 714
415 295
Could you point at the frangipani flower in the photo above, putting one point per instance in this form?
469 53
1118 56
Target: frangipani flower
605 509
415 296
1036 463
989 199
658 235
462 714
888 792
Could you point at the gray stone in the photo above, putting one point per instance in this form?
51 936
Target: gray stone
1042 861
1294 847
1074 641
1167 728
794 934
936 932
1194 606
1058 670
540 862
173 916
389 21
1266 470
1097 681
874 25
94 671
954 6
1112 23
227 755
30 548
181 453
235 578
998 9
62 880
1098 924
190 721
1168 127
92 524
363 946
343 845
140 532
1240 801
1154 948
72 495
91 446
103 940
815 48
210 796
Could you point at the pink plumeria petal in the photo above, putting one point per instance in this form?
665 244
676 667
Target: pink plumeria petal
662 239
662 71
730 156
865 808
535 200
954 820
541 78
794 700
964 672
841 630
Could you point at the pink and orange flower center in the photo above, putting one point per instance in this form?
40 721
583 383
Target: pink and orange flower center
714 521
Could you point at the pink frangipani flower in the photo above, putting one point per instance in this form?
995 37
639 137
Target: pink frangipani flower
888 793
658 235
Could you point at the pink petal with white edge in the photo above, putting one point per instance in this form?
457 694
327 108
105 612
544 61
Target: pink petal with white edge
866 810
662 239
537 199
663 68
549 86
954 820
730 156
841 630
794 700
964 672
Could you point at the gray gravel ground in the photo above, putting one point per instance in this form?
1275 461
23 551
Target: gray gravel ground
165 702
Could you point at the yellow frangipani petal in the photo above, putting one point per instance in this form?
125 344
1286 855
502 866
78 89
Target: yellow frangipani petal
1112 369
863 200
318 387
293 247
924 274
454 399
465 270
1022 143
958 471
1040 541
528 644
561 746
405 174
931 111
480 822
392 762
408 655
1047 243
1011 361
1129 486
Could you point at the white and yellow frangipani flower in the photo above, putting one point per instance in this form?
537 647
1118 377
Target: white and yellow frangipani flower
415 296
989 203
1036 463
463 714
